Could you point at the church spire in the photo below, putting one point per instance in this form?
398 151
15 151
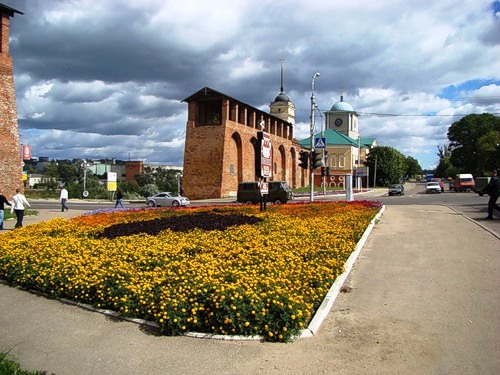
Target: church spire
282 106
281 61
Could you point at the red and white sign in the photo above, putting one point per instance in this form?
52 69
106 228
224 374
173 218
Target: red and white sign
264 188
266 156
26 152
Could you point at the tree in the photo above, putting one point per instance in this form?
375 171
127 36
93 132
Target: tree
144 178
166 179
413 167
443 151
466 136
67 173
489 150
51 170
445 169
390 164
149 190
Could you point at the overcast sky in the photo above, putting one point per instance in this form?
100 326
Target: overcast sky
106 78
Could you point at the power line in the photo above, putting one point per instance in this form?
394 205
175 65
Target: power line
416 115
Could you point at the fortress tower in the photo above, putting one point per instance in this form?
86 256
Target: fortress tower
10 152
221 136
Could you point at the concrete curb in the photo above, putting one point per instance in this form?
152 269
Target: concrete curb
495 234
334 291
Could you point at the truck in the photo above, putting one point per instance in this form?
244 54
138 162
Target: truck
429 177
464 182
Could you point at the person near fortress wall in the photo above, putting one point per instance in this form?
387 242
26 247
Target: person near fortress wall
493 189
3 202
19 203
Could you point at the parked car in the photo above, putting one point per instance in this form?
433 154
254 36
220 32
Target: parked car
167 199
396 189
480 184
432 187
279 192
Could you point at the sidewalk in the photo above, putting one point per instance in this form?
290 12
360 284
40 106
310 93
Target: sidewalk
423 298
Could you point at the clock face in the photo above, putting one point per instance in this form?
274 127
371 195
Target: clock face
338 122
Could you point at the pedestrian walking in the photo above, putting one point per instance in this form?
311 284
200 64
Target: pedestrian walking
63 198
3 202
19 203
493 189
119 199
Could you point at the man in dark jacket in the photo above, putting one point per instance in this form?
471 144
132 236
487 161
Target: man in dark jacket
493 189
3 202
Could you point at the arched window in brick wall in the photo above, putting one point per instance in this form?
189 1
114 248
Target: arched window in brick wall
238 162
282 172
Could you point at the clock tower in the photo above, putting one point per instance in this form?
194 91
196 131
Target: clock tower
343 118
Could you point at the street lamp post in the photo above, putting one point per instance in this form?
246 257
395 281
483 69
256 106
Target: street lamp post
179 176
84 166
313 105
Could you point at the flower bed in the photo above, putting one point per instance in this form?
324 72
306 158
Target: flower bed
223 270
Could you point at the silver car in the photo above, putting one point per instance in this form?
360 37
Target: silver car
167 199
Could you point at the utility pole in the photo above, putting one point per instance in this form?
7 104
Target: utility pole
313 105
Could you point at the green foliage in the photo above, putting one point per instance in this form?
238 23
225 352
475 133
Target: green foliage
51 170
11 367
128 187
391 165
413 167
67 173
8 215
149 190
164 179
41 193
144 179
474 143
489 150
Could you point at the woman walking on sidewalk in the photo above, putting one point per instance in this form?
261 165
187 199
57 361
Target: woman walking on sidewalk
19 203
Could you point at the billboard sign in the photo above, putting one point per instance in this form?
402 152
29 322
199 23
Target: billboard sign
266 155
26 152
111 181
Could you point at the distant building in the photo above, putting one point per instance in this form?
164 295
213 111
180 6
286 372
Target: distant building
133 168
10 152
346 149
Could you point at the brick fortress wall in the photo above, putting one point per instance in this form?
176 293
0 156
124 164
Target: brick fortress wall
219 156
10 151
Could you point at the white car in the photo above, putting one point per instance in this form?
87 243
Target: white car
432 187
167 199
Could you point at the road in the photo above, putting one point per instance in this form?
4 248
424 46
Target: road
469 204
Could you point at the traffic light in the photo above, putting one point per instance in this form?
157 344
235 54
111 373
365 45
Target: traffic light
315 159
328 171
323 171
304 159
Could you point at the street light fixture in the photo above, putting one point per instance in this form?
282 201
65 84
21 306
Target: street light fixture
179 177
313 105
84 166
